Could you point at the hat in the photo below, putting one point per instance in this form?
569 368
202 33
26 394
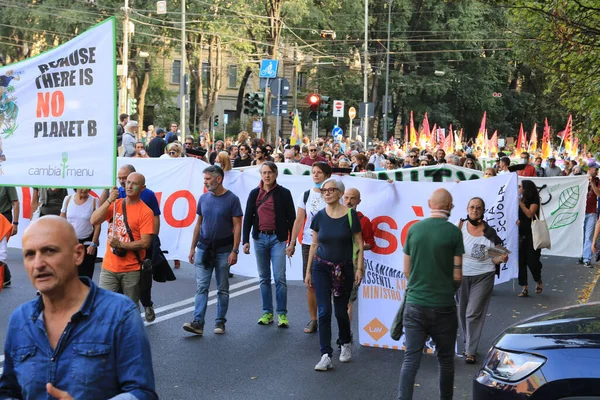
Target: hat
551 158
159 131
593 165
131 124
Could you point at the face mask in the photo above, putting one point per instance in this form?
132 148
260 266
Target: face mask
287 160
217 164
318 185
444 213
524 161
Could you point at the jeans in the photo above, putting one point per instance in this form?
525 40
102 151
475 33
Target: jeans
588 234
203 274
441 323
270 250
322 282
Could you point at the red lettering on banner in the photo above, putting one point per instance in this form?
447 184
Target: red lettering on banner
190 216
385 235
26 209
47 104
419 213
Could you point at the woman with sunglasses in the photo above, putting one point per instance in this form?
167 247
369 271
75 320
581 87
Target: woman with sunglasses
478 272
173 150
309 205
469 163
330 268
260 155
529 205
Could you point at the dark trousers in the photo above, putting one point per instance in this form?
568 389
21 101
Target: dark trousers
441 323
86 268
322 282
146 282
529 257
9 217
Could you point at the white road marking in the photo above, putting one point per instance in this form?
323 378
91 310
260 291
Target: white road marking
210 294
189 309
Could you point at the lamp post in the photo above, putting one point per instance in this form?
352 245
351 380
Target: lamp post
387 75
366 76
182 82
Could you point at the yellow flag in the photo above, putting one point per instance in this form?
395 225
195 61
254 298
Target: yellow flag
296 130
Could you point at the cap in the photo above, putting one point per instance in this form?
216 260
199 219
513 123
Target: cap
552 158
159 131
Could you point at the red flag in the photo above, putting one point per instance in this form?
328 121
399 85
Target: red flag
426 127
568 136
546 149
494 143
533 139
520 140
405 137
448 142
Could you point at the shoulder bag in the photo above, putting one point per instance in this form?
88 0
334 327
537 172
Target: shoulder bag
144 264
540 232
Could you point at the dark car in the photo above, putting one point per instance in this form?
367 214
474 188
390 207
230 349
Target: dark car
551 356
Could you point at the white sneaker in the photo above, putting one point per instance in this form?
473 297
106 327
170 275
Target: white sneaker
324 364
346 354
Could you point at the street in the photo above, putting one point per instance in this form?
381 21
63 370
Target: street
265 362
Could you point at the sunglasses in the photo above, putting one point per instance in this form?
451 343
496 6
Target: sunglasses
311 150
413 156
189 144
328 190
172 153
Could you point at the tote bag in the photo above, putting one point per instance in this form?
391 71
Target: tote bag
540 232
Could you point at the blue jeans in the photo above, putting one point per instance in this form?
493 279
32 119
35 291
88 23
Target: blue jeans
588 234
322 282
441 323
270 250
203 274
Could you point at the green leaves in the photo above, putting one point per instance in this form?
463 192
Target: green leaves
568 199
564 219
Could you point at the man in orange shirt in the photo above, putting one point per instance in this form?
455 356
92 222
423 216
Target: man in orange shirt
125 250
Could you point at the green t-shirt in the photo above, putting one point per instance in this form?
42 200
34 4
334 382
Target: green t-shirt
432 245
8 194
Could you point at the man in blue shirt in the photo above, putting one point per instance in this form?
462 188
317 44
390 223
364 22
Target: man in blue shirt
75 341
149 198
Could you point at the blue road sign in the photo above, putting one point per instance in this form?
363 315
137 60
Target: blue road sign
337 133
257 126
268 69
225 119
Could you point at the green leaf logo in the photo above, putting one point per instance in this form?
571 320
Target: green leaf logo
564 219
65 159
568 199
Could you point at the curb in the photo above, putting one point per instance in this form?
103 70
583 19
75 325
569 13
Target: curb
593 289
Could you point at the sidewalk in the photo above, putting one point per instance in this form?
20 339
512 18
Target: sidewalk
595 287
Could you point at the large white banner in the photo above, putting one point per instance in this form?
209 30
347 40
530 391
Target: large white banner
563 204
58 114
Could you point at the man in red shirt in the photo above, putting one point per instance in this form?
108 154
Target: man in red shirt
529 169
352 200
312 156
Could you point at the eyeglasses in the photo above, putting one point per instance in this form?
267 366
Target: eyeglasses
413 156
328 190
189 144
311 150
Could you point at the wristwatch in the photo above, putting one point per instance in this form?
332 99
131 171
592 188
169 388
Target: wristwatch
236 251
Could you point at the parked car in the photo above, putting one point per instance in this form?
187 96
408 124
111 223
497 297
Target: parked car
551 356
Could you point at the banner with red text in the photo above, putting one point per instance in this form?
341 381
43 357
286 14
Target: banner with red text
58 114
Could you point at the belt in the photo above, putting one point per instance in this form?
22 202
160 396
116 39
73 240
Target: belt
268 232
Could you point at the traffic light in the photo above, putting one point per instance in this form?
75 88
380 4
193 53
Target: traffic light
132 106
291 117
216 120
254 104
325 106
314 103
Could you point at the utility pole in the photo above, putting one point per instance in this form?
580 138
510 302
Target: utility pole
125 58
182 83
366 75
387 76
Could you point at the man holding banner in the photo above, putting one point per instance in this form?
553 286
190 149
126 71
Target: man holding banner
433 267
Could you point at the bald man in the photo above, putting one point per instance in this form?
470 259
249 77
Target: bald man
75 340
128 238
433 267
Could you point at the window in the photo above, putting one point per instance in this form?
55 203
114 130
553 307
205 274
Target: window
175 71
301 82
232 76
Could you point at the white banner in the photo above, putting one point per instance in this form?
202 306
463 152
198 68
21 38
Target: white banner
432 173
58 114
563 204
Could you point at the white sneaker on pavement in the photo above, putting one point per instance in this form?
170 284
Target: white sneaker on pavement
346 354
324 364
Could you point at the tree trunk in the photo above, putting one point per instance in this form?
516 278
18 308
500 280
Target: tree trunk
143 89
240 98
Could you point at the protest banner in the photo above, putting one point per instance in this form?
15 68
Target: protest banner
284 169
58 114
432 173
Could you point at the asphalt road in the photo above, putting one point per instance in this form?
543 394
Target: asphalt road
257 362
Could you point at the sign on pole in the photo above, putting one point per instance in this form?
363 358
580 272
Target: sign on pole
338 108
53 130
268 69
257 126
225 118
161 7
352 112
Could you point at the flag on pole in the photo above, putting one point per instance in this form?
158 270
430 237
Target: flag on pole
405 145
520 140
458 140
480 141
433 137
447 144
494 143
533 139
546 149
568 136
413 131
296 130
575 147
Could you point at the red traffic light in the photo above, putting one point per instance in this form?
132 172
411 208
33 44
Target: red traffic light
314 99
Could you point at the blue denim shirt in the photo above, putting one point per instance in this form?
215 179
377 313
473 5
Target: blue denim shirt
104 352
